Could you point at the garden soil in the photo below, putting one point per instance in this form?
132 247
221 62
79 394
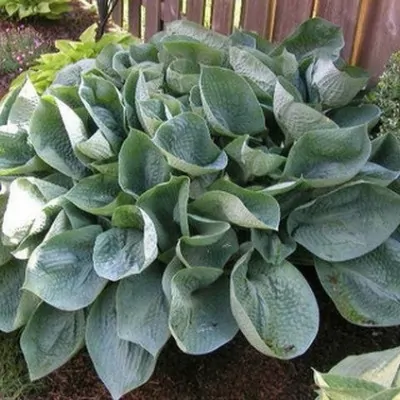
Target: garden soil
236 371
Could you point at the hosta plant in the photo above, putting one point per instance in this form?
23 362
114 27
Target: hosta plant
370 376
50 9
169 189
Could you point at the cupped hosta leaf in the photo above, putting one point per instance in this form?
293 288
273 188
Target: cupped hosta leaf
129 99
314 37
51 338
23 106
96 147
293 116
186 142
336 87
366 290
364 114
166 205
346 223
104 61
147 322
60 271
198 32
200 317
259 293
5 254
172 268
261 77
329 157
182 75
16 305
253 162
195 100
121 63
121 252
137 153
71 74
142 52
230 105
121 365
381 367
273 247
336 387
14 149
7 102
228 202
49 136
26 211
386 153
104 104
98 194
151 112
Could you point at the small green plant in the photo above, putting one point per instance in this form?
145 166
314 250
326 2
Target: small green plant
19 47
370 376
167 190
50 9
45 69
387 96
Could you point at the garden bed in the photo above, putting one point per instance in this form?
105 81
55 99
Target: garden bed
235 372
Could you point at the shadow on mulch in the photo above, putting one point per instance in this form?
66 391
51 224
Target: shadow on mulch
236 371
70 26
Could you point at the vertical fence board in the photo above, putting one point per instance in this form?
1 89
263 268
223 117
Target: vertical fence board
117 14
134 17
381 35
288 14
170 10
222 16
195 10
153 18
255 16
343 13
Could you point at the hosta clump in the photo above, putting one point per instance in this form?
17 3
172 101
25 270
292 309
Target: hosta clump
167 190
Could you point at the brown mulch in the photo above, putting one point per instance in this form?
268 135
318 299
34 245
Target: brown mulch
235 372
70 27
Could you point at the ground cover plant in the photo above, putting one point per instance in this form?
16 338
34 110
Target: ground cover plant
170 188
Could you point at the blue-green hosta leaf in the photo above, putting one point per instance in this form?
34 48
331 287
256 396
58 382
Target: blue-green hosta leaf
335 387
51 338
343 224
108 167
212 246
60 271
273 248
282 187
259 293
231 203
186 142
14 149
98 195
104 104
381 367
174 266
200 317
23 106
364 114
293 116
143 52
121 365
315 37
172 105
121 252
104 61
70 75
252 162
241 38
141 164
329 157
16 305
336 87
147 322
49 136
388 394
5 254
6 103
261 77
230 105
195 101
166 205
129 99
97 147
182 75
198 32
121 63
365 290
30 203
200 184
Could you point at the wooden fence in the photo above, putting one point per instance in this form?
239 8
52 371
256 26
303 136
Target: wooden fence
371 27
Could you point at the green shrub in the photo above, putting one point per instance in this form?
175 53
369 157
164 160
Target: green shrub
168 188
370 376
44 71
387 96
51 9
